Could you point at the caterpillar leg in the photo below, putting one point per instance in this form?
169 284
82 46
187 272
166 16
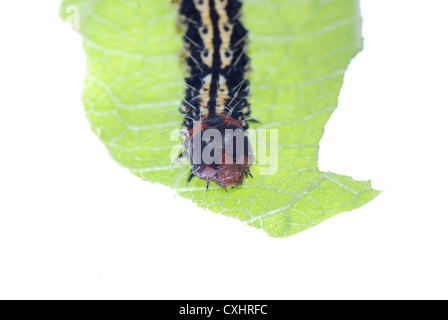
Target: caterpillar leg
190 176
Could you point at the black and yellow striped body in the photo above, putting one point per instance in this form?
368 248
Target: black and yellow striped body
217 66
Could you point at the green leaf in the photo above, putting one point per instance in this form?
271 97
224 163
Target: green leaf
299 52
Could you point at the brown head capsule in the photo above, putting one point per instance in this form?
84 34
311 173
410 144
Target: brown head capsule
220 153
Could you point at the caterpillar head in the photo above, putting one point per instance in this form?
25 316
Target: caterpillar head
221 154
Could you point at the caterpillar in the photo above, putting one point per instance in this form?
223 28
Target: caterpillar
215 107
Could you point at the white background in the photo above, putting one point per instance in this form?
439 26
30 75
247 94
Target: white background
74 224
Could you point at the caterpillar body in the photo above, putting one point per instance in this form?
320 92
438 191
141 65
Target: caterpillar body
215 106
